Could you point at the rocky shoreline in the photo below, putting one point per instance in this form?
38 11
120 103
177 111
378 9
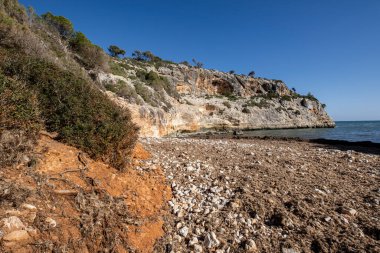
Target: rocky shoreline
268 195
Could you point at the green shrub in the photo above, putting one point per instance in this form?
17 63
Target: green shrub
232 97
270 95
19 107
128 93
123 90
79 112
146 94
19 121
61 24
14 10
116 69
186 63
115 88
246 110
262 103
311 97
157 82
115 51
91 56
227 104
286 98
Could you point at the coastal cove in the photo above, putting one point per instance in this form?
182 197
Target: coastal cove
345 130
120 136
349 131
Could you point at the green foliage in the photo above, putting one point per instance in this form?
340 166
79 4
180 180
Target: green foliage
227 104
197 64
157 82
155 97
115 51
280 109
123 90
149 58
19 106
286 98
145 56
116 69
311 97
62 24
186 63
91 56
270 95
19 121
79 112
14 10
261 103
246 110
232 97
146 94
308 96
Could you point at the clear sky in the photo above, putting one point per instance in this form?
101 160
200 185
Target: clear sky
328 47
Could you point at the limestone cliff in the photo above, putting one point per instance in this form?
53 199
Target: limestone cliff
171 98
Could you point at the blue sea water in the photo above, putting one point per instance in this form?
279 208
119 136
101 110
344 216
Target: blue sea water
344 130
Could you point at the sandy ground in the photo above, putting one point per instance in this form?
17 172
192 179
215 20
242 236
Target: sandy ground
66 202
268 196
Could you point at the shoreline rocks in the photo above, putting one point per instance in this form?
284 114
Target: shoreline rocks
258 195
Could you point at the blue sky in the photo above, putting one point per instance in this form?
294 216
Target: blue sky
328 47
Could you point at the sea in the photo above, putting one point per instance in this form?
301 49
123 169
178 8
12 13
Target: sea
344 130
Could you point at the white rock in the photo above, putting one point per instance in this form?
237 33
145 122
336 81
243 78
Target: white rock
18 235
52 223
211 240
193 241
29 207
198 248
289 250
251 246
190 168
352 211
184 231
12 223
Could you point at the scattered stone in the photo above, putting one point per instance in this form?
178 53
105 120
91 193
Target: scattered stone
184 231
211 240
17 236
52 223
198 248
12 223
250 246
289 250
29 207
347 211
344 219
193 241
226 191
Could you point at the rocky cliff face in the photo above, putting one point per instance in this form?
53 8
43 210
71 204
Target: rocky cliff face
176 98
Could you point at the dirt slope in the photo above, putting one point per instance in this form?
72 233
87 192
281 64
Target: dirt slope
66 202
